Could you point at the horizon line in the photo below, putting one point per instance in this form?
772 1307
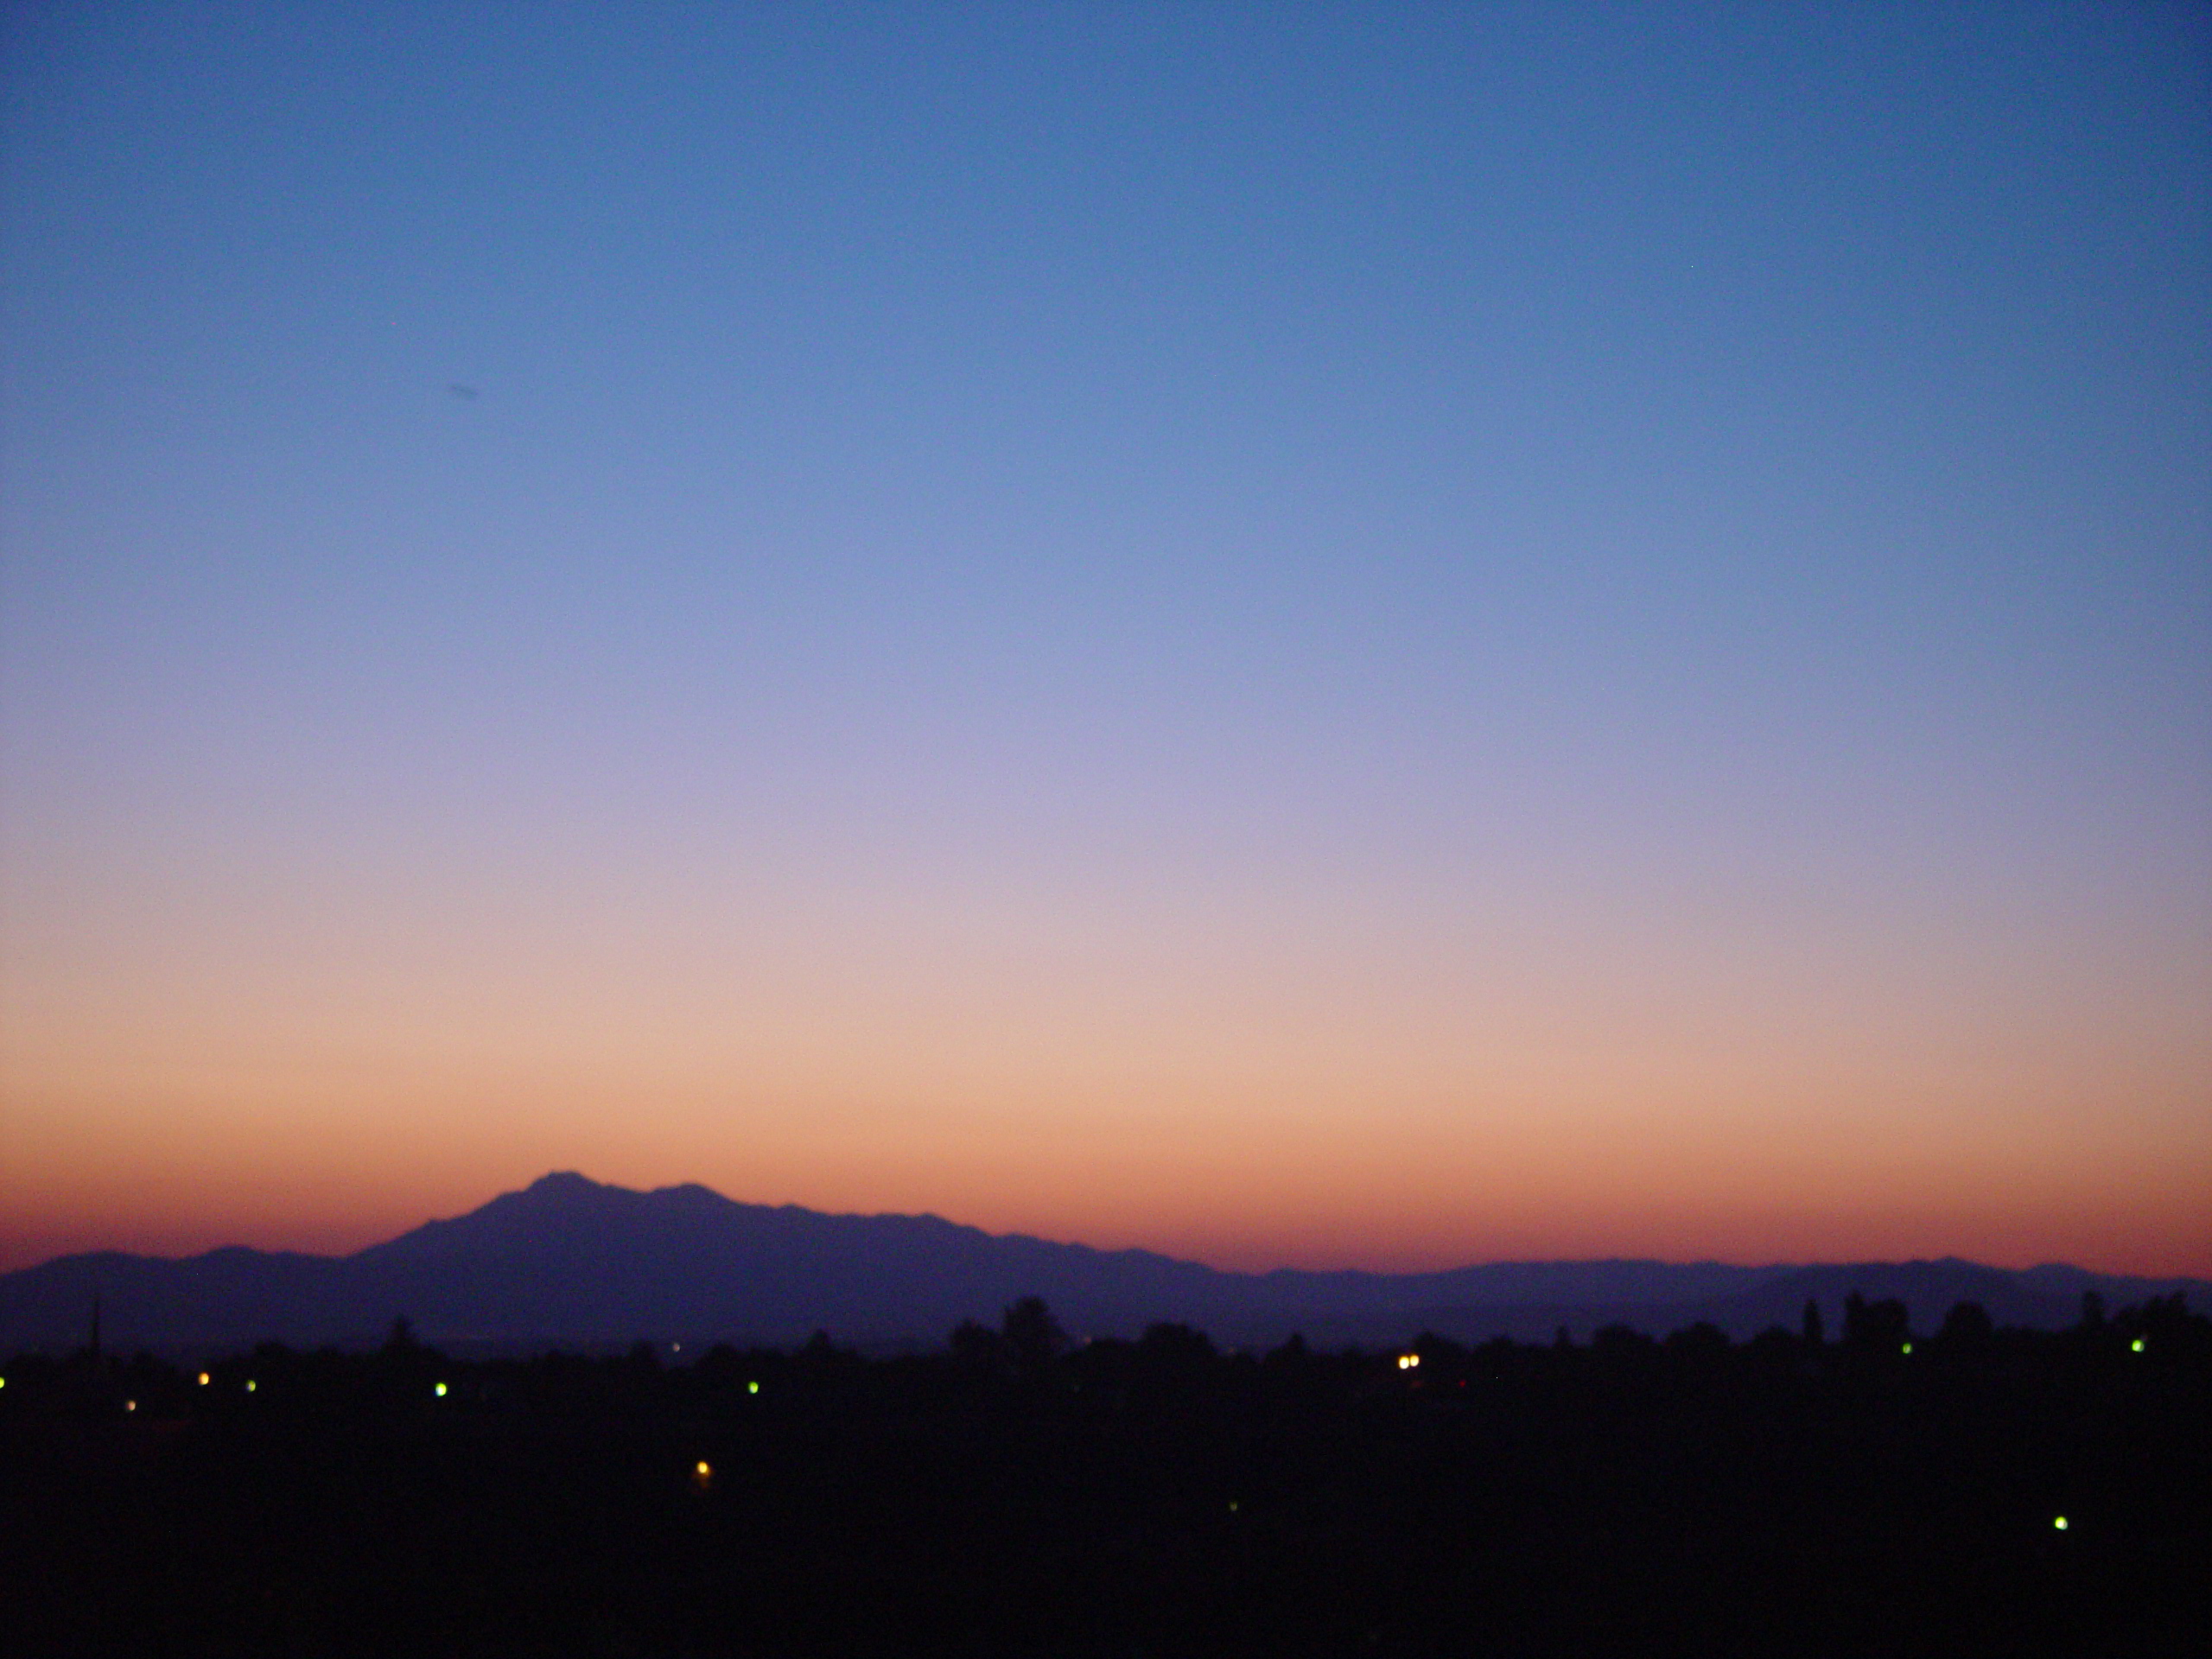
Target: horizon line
560 1175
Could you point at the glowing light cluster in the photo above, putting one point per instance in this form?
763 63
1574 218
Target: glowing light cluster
1409 1362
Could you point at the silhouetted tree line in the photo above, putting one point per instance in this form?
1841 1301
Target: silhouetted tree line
1022 1492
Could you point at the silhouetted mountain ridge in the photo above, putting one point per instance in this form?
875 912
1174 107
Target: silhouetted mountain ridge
568 1259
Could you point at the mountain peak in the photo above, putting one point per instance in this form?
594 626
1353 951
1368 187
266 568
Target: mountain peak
569 1258
564 1180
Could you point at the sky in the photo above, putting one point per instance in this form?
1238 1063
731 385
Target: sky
1381 635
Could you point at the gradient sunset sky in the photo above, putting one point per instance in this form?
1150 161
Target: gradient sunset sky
1382 635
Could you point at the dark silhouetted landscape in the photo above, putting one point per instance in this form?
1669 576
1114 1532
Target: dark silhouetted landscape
577 1421
570 1261
1878 1487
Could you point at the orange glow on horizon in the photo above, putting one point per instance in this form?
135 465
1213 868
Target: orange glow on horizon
1469 1208
1350 1085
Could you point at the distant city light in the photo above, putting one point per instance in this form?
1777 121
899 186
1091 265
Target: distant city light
1908 1348
439 1390
702 1468
2060 1523
251 1385
1407 1362
675 1347
205 1379
752 1388
2136 1346
131 1405
3 1381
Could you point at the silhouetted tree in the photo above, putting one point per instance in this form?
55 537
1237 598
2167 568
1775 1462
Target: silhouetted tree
720 1366
1774 1348
1033 1334
399 1341
1704 1341
1966 1327
1813 1334
1617 1342
2168 1330
976 1346
1175 1347
1874 1327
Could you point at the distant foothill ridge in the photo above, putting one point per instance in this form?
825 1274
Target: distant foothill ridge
571 1261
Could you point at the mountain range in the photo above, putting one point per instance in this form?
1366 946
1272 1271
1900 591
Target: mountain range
569 1261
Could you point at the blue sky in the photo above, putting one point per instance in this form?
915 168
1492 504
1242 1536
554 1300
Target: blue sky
1709 503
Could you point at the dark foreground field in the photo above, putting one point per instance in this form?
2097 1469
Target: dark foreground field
1156 1498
